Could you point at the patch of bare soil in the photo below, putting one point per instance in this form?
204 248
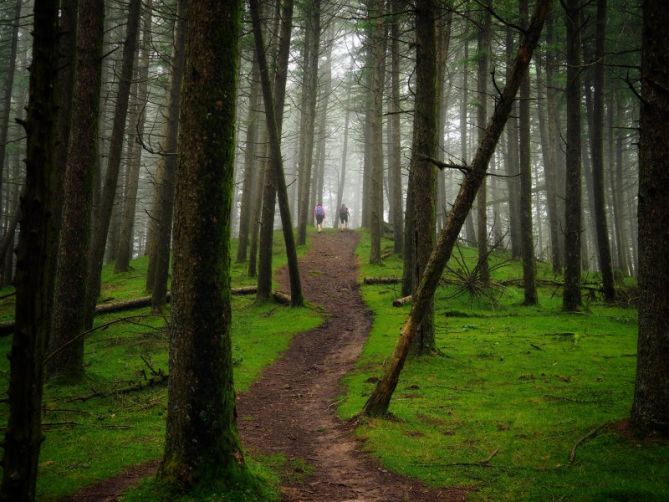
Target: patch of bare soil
291 410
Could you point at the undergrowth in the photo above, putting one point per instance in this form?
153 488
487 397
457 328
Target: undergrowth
95 430
511 390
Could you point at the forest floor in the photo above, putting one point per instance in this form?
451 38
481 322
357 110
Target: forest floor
291 410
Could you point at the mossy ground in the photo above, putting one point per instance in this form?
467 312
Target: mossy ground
524 382
98 438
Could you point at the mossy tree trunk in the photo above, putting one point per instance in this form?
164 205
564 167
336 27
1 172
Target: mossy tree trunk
526 230
572 276
73 253
380 399
650 410
422 179
23 435
202 440
376 54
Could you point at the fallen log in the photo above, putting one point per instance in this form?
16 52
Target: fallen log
401 301
7 327
282 298
381 280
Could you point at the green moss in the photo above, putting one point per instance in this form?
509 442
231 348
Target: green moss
524 382
87 441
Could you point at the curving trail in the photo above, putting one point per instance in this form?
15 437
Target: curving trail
292 409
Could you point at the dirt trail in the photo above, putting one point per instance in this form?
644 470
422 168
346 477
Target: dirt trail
291 409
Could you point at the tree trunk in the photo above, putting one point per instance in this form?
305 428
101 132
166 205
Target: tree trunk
164 198
273 128
74 247
8 86
101 226
598 159
395 168
377 67
470 233
572 276
483 56
285 15
202 442
512 162
526 240
309 90
422 301
344 155
249 161
125 244
23 435
650 410
422 180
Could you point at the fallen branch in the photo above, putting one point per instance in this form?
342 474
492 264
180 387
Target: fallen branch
593 433
160 379
402 301
381 280
7 328
282 298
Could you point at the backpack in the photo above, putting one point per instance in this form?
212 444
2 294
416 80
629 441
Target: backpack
320 211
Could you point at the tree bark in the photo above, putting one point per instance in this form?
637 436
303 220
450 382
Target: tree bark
572 276
8 86
74 246
422 178
101 226
526 240
296 298
309 90
380 399
512 162
125 244
165 191
395 159
202 442
650 410
23 435
483 56
377 67
598 158
270 189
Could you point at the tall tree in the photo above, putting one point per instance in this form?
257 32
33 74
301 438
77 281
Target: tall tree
66 345
597 143
572 275
23 435
379 401
512 161
650 410
270 189
377 67
312 11
138 118
8 85
394 149
483 57
422 176
164 196
273 129
101 225
202 439
526 239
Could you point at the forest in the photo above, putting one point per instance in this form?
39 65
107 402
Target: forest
334 250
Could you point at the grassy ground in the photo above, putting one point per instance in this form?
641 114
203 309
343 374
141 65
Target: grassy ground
516 385
92 438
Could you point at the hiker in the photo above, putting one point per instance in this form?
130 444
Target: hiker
343 218
319 213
